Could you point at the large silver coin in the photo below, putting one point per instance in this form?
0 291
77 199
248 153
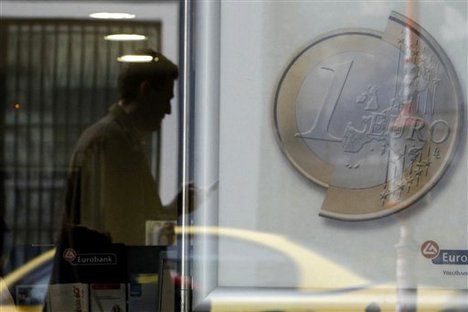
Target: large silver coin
374 117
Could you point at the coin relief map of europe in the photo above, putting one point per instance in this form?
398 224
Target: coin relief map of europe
372 116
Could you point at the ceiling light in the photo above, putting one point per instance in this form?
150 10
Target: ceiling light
135 58
106 15
125 37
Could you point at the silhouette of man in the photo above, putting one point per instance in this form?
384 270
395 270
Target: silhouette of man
110 187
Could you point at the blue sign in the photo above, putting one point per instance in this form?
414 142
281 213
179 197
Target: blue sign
457 257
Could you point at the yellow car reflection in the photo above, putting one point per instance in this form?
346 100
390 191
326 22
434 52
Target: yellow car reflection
15 276
357 293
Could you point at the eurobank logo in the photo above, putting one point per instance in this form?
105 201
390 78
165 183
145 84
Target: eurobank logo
71 256
430 250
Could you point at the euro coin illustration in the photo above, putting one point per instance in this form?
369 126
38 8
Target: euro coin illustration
374 117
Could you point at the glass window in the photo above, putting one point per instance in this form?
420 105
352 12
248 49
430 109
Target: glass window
66 157
331 155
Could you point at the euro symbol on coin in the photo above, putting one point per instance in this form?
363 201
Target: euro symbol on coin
374 117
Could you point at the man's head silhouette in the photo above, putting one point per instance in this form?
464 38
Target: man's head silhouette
146 89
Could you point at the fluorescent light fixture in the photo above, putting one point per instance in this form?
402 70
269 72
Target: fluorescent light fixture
106 15
125 37
136 58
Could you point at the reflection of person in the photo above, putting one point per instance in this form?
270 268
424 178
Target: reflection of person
110 187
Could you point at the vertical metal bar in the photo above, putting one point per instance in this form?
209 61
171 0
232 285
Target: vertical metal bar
81 83
185 96
41 112
88 52
68 91
121 44
134 43
4 27
405 263
108 66
159 37
206 135
94 99
17 81
147 31
55 129
29 109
